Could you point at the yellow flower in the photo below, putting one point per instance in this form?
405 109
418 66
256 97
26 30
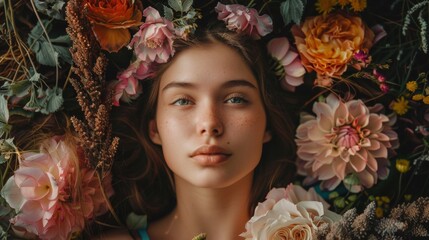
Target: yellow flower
426 99
418 97
325 6
379 212
379 201
412 86
343 3
402 165
385 199
407 197
358 5
400 106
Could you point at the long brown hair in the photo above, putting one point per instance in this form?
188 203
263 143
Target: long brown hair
142 166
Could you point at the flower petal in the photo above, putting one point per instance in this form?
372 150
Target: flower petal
278 47
11 193
111 40
295 68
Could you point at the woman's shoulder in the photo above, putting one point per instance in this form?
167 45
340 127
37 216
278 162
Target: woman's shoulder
118 234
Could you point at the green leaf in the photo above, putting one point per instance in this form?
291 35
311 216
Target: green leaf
9 144
54 100
291 11
58 6
4 116
46 102
32 104
20 88
52 8
4 111
187 5
62 45
168 13
35 77
339 202
47 53
21 112
135 221
4 211
176 5
4 128
5 89
7 148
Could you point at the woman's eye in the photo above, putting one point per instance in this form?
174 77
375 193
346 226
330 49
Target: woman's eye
236 100
182 102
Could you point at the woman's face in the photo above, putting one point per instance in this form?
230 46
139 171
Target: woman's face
210 120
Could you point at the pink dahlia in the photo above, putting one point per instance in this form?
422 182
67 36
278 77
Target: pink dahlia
154 41
292 69
243 19
345 141
52 196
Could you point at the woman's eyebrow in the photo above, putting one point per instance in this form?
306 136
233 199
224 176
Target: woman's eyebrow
238 83
179 85
228 84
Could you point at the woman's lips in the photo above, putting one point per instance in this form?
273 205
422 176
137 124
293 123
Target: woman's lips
210 155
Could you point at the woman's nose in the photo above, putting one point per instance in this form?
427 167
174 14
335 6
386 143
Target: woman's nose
209 121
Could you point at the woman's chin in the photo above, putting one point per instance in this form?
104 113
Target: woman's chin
212 179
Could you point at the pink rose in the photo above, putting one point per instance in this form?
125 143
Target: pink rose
290 213
296 194
293 193
128 88
242 19
154 41
43 192
293 70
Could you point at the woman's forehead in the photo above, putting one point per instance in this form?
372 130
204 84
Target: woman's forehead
208 63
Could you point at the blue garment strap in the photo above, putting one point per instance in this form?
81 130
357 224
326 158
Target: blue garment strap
143 234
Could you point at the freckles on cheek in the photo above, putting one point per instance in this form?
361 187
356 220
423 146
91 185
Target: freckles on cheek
249 127
250 122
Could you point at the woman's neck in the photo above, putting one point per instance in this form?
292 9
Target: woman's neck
221 213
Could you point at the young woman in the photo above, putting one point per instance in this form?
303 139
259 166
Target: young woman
214 139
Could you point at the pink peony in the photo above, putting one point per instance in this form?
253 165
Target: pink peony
293 71
290 213
154 41
128 88
242 19
344 141
51 200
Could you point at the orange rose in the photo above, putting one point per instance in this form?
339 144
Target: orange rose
327 43
110 21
